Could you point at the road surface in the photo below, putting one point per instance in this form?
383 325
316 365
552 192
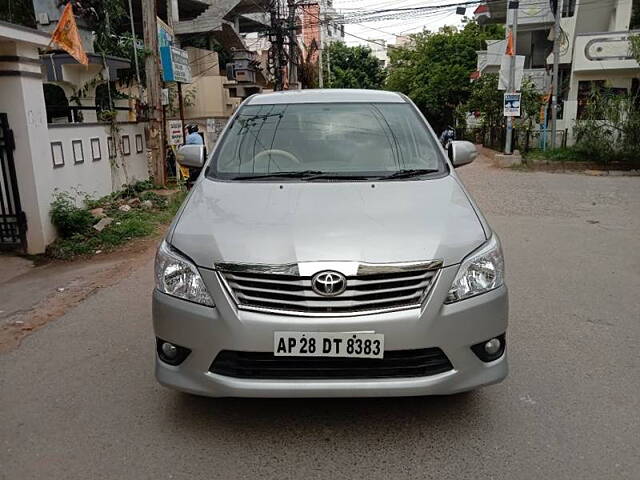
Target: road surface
78 399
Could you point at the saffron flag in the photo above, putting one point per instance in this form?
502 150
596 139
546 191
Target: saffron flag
510 47
66 36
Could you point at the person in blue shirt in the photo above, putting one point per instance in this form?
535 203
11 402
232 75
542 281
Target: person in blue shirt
193 137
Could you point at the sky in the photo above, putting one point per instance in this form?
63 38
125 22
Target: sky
386 30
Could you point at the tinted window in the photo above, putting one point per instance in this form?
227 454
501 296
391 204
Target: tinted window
341 139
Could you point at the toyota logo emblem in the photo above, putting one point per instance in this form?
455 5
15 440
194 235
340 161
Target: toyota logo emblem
328 283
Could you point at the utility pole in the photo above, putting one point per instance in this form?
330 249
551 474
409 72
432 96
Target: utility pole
135 51
511 87
320 73
556 68
154 86
329 68
276 37
293 46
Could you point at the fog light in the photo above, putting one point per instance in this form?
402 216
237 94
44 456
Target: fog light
492 346
491 349
171 352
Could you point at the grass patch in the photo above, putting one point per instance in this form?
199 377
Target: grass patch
565 154
140 221
520 167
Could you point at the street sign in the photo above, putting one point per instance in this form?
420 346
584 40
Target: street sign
505 71
175 65
512 103
174 132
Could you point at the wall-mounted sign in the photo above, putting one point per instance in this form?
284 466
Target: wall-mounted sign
175 65
174 132
512 103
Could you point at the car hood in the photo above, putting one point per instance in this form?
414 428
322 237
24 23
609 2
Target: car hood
291 222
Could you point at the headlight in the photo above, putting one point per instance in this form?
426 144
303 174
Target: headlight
177 276
480 272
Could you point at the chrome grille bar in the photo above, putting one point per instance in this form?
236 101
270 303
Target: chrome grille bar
378 288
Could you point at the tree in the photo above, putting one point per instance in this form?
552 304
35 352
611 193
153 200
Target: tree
18 11
609 128
486 99
434 70
351 67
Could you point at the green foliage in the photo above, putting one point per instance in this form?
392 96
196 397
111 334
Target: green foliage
434 70
634 24
68 218
609 129
563 154
488 100
352 67
19 12
109 20
137 222
634 44
532 102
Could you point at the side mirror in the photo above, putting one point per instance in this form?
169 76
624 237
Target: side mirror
462 152
191 156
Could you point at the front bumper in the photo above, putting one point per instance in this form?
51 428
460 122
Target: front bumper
453 328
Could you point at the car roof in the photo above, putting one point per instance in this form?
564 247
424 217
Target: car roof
329 95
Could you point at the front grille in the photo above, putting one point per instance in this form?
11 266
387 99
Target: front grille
293 293
395 364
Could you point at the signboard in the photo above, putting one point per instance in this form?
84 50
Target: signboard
512 104
164 96
175 65
505 69
165 34
174 132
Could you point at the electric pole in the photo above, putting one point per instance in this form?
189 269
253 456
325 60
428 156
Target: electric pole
555 84
329 67
320 73
293 46
154 86
511 87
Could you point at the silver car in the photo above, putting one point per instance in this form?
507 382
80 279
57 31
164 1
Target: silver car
328 249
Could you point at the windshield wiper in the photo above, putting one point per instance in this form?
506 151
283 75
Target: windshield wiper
413 172
300 174
333 176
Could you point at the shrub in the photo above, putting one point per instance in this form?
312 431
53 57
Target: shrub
69 219
610 127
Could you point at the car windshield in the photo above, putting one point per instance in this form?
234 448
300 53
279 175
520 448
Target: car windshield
315 141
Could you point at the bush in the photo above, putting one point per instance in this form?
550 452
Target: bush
69 219
610 128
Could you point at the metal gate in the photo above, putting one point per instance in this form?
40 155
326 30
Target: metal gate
13 222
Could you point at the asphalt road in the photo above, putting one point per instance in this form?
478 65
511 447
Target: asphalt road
78 399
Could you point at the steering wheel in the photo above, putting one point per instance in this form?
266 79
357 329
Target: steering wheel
273 152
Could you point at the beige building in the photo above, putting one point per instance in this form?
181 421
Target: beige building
595 49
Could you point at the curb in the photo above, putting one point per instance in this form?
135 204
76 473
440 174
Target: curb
613 173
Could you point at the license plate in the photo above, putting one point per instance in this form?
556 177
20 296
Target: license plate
328 344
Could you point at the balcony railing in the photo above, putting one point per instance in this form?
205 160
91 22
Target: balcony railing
604 51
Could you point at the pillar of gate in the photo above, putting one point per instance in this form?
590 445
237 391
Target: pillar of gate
22 99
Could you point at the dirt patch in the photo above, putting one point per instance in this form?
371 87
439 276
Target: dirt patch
83 277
